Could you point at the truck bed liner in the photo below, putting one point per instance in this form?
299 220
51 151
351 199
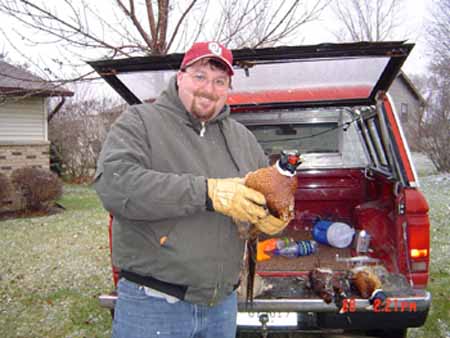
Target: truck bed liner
294 284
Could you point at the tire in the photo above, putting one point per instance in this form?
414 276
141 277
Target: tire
270 335
247 335
394 333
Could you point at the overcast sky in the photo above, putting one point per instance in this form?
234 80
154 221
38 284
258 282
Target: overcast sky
415 15
412 28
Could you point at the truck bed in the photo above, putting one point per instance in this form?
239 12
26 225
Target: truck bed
287 278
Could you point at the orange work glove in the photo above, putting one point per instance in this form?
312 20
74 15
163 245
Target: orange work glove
271 225
231 197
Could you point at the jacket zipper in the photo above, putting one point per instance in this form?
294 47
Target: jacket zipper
202 131
214 296
216 289
220 272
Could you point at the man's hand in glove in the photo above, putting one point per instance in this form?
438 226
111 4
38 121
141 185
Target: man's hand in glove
271 225
231 197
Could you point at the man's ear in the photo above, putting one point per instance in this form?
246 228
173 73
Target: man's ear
179 76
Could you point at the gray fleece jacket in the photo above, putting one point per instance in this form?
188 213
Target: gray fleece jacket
151 177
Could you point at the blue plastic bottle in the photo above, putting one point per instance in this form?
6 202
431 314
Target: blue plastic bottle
297 249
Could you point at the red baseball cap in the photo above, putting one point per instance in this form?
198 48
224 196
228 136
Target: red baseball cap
211 49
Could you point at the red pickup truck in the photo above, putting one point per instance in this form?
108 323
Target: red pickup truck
330 102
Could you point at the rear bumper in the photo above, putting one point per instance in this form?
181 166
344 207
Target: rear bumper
315 314
399 312
420 301
108 301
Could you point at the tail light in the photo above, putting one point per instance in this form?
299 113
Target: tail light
418 230
418 244
418 240
418 253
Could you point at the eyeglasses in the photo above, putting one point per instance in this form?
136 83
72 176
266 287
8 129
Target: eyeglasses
200 79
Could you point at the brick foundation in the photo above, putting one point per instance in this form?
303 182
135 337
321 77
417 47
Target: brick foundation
13 156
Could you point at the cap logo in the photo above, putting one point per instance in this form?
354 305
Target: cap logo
215 48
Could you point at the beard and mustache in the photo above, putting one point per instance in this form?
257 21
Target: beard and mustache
196 108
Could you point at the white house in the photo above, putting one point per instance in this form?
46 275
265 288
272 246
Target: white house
23 118
409 104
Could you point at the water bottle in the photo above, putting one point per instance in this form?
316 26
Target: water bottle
362 241
272 244
283 242
297 249
336 234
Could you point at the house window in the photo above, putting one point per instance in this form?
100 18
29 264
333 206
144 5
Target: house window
404 112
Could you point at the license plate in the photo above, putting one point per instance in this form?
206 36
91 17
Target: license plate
275 318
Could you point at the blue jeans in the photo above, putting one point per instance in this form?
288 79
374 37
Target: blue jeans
138 315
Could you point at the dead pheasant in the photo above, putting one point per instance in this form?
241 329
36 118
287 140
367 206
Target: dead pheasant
278 184
321 282
367 280
330 286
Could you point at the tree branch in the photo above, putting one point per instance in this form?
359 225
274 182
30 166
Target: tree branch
151 20
132 15
177 27
163 18
67 24
278 24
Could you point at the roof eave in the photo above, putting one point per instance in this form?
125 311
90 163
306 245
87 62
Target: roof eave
412 87
9 91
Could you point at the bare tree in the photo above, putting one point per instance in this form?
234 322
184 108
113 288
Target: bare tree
367 20
80 30
263 23
439 33
437 119
78 131
436 127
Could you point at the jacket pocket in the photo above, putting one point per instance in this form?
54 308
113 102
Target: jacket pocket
191 242
98 174
162 232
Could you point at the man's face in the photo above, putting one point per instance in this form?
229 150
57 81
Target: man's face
203 89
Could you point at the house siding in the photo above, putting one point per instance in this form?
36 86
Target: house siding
23 120
402 95
23 134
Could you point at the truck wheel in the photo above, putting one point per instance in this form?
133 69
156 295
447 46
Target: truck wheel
271 335
395 333
247 335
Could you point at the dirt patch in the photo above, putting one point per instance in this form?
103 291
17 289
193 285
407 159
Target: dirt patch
31 213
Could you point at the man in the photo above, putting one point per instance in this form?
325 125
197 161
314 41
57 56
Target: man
168 175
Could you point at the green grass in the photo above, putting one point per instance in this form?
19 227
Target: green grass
437 191
53 268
